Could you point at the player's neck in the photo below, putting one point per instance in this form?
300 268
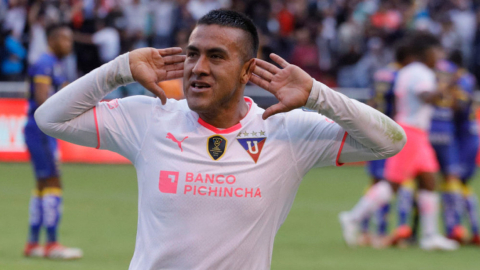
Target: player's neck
51 52
226 116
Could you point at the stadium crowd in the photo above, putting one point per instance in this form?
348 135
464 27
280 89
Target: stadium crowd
341 42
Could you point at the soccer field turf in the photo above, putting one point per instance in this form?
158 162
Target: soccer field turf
100 216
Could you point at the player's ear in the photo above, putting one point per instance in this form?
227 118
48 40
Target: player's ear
247 70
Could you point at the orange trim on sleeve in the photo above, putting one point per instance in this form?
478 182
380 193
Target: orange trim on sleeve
96 126
340 150
42 79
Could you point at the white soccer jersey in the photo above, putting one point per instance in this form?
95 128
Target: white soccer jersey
412 80
210 198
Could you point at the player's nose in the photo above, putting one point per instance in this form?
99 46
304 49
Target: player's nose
201 66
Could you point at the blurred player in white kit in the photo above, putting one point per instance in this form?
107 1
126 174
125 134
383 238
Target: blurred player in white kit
217 175
415 90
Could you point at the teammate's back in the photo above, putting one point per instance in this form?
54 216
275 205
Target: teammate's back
413 80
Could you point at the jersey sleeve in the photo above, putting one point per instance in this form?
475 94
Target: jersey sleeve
41 72
425 81
467 84
122 124
316 141
76 114
366 133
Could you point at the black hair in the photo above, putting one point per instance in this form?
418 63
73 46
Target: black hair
51 29
421 42
456 57
403 50
230 18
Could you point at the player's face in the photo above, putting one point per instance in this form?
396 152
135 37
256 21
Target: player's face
215 69
63 42
433 55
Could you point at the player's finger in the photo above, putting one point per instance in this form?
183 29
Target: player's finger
170 51
279 60
274 109
157 91
174 74
176 66
262 73
267 66
172 59
261 82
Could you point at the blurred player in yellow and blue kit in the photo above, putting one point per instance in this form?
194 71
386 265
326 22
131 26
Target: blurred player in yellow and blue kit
441 136
47 76
466 142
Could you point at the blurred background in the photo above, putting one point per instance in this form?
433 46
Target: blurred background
341 43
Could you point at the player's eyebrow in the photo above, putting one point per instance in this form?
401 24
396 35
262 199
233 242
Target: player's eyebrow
217 50
209 51
192 48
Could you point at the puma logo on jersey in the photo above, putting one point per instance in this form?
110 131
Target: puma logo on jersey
112 104
171 137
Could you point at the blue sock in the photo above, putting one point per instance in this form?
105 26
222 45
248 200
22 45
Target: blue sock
364 227
35 217
365 223
452 204
404 203
52 212
382 219
471 203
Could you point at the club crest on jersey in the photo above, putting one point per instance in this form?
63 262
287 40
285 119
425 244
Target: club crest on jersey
216 146
253 145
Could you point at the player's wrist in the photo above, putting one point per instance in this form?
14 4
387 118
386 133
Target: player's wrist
123 75
113 74
315 93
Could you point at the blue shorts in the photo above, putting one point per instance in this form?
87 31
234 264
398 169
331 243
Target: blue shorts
43 151
467 154
447 158
376 168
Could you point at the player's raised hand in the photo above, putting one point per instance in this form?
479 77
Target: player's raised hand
149 66
290 84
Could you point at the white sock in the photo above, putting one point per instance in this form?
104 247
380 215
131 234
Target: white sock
376 197
428 202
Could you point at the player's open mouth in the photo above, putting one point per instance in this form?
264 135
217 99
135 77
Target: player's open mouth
198 86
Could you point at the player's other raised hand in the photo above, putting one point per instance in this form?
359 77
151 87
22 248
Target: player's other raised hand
290 84
149 66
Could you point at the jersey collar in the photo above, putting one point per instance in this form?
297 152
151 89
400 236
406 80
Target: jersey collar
251 109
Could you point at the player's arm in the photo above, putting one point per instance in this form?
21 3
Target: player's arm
431 97
371 134
69 115
41 92
42 82
83 38
430 92
463 93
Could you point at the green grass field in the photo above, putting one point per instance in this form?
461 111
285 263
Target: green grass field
100 215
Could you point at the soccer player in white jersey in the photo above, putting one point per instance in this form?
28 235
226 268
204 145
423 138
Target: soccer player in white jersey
217 175
415 90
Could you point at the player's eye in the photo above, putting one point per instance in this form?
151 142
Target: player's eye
191 54
216 56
